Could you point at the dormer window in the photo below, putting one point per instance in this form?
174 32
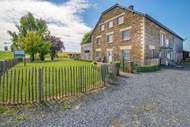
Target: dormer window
102 27
120 20
110 24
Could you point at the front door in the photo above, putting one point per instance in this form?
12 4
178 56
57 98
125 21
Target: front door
125 54
109 56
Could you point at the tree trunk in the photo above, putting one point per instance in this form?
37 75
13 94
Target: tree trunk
52 58
32 57
42 58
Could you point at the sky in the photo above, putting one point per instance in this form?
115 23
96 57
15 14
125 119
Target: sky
70 19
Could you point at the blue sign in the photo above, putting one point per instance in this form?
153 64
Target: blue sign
19 54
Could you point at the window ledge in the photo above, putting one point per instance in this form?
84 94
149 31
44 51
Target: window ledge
126 39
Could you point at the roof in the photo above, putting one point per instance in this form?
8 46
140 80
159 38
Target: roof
142 14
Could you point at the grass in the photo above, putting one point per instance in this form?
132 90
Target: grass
61 77
5 55
2 109
56 63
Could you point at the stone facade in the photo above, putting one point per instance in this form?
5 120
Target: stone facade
135 37
170 51
86 51
132 22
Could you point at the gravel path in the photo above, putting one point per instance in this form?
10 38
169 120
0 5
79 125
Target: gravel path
141 100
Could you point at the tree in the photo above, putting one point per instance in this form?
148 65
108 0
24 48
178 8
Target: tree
44 49
31 43
30 31
56 45
86 38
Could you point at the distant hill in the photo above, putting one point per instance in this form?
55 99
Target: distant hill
4 55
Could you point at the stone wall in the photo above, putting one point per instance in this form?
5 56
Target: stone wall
86 51
133 22
152 41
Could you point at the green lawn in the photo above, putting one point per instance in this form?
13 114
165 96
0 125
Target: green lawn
55 63
60 78
4 55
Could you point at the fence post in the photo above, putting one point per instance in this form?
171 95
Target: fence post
1 68
103 75
81 85
114 70
40 85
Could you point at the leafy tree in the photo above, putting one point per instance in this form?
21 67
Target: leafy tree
56 45
31 43
44 49
86 38
30 31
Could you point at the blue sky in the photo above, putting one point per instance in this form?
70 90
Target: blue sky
175 14
70 19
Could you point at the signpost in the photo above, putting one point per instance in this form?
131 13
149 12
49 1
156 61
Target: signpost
20 54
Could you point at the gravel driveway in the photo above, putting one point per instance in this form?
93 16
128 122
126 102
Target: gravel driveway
159 99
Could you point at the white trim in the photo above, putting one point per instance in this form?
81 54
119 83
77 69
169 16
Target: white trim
102 27
109 49
113 18
110 24
126 28
152 47
109 33
98 36
125 47
98 49
121 22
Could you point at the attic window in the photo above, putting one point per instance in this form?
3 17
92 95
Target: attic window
102 27
110 24
120 20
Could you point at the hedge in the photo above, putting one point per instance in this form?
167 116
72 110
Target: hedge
147 68
83 60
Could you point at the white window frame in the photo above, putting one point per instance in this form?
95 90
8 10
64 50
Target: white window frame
98 37
110 24
120 20
98 52
162 39
125 38
102 27
167 41
107 35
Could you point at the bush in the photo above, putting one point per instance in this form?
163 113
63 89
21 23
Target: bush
187 60
83 60
147 68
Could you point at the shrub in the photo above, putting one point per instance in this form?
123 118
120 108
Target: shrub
147 68
2 110
83 60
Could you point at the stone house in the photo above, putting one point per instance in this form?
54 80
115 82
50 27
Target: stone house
86 51
123 33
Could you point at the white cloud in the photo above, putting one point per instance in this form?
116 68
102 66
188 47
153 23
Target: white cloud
64 20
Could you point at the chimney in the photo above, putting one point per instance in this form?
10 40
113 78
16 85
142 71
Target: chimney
131 7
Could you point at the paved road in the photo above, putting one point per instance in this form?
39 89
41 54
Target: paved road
160 99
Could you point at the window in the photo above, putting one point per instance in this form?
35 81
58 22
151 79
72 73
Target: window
102 27
167 42
87 51
110 38
120 20
110 24
125 54
97 54
162 39
109 56
125 35
97 41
